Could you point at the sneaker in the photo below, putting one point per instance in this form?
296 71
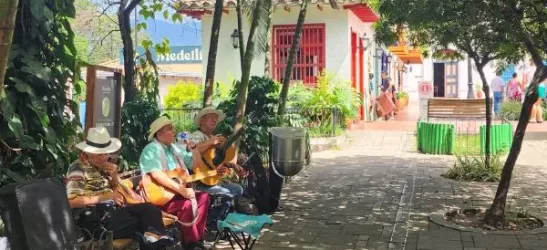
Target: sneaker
201 245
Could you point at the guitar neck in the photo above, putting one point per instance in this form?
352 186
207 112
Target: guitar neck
230 140
200 176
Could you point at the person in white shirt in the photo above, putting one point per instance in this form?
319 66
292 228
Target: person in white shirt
498 88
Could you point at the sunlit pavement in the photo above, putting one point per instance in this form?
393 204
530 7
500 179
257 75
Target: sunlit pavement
377 192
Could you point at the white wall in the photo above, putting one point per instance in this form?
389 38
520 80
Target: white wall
228 67
463 86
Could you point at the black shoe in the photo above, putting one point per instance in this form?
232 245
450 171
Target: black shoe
201 245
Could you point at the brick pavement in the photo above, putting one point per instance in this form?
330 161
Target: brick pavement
377 192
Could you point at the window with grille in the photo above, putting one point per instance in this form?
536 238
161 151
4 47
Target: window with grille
310 56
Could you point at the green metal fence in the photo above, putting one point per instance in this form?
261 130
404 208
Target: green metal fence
436 138
501 138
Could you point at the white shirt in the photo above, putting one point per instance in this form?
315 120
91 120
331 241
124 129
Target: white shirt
497 84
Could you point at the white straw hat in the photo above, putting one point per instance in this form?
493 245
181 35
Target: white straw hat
208 110
99 142
157 125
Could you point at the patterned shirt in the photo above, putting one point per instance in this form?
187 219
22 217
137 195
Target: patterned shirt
86 180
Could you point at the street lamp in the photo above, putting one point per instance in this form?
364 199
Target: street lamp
235 38
379 52
389 57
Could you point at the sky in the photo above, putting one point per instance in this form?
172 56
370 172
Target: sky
179 34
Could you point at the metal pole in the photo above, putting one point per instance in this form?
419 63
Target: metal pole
470 94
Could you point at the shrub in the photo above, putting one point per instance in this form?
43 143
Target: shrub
137 116
183 94
332 93
473 168
510 110
261 107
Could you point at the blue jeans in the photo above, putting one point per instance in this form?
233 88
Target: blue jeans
224 187
498 98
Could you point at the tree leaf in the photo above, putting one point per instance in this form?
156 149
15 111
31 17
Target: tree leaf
13 175
16 126
166 14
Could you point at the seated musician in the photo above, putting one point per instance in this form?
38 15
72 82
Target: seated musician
206 121
92 180
162 154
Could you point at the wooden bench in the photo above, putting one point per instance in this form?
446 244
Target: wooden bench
453 108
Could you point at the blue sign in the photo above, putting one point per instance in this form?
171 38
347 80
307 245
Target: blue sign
176 55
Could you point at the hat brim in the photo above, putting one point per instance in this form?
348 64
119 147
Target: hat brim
198 117
153 132
114 146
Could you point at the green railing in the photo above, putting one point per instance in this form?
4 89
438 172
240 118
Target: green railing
501 138
436 138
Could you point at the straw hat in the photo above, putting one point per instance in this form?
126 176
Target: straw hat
157 125
206 111
99 142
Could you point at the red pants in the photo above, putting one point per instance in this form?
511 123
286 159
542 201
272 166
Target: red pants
182 208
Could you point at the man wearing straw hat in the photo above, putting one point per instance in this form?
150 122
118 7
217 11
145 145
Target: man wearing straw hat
163 154
92 180
207 120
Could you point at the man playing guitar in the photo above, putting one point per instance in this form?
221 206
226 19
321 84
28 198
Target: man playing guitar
162 155
206 121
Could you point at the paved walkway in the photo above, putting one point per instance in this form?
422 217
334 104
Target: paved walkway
377 193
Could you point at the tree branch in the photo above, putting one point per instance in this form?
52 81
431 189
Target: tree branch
131 6
105 36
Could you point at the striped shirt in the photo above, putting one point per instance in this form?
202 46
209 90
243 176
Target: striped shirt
86 180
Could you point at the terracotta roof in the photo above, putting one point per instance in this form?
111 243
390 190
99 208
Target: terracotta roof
210 4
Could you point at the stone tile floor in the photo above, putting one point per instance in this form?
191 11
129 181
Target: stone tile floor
377 192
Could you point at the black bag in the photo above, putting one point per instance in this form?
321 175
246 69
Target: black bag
258 185
37 216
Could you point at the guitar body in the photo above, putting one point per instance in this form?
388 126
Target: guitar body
155 193
214 157
158 195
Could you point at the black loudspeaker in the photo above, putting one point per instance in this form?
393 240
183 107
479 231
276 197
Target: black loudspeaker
37 216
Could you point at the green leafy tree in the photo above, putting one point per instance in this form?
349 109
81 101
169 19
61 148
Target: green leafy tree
490 30
8 11
183 94
37 133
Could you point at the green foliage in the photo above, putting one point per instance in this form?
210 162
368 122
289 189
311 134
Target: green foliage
37 134
473 168
137 116
332 98
148 78
298 95
183 118
510 110
402 94
260 114
183 94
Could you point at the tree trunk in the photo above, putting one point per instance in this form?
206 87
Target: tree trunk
495 216
124 23
267 54
243 86
488 103
8 12
240 33
212 57
290 60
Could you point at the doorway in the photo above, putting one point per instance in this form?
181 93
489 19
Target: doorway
445 79
438 79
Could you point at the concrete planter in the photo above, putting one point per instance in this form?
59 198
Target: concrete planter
326 143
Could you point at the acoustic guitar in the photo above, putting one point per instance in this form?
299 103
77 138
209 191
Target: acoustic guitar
216 156
159 195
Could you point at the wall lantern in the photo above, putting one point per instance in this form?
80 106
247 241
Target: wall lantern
235 38
389 57
365 41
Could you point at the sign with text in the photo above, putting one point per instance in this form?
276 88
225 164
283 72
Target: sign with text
177 55
105 99
425 90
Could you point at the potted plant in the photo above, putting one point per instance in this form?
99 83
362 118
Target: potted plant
402 98
478 91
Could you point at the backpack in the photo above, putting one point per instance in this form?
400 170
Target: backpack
258 185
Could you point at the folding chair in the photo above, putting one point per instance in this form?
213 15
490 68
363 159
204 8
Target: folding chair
249 226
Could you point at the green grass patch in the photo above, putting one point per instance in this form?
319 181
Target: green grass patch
467 145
